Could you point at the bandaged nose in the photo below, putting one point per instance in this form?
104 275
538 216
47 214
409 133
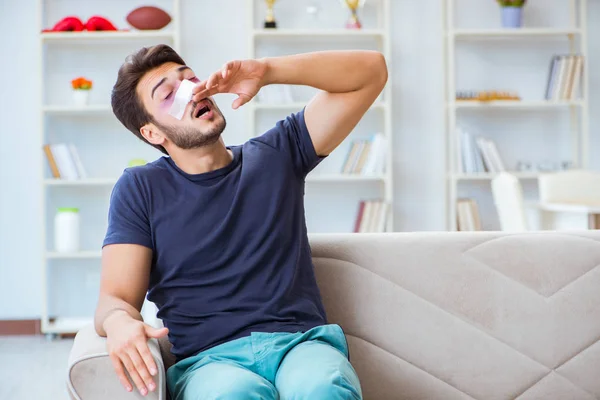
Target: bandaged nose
182 97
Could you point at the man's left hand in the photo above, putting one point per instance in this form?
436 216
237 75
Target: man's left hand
241 77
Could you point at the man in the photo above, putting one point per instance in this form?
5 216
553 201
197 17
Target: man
216 235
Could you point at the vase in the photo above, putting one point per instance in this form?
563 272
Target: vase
512 17
81 97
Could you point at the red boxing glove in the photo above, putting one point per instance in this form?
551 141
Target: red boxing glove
99 24
68 24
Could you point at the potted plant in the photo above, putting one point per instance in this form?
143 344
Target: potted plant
81 90
512 12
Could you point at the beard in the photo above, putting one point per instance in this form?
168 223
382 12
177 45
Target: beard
192 138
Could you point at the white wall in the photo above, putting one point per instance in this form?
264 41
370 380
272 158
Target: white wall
214 32
20 247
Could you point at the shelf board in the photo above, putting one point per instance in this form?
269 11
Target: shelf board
313 178
67 325
516 105
489 176
77 110
73 256
318 33
81 182
299 105
476 34
344 178
106 35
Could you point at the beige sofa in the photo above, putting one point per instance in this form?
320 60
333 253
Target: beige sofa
441 316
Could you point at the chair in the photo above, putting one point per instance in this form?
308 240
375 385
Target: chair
508 199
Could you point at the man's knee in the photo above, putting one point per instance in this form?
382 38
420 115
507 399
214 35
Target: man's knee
332 386
226 382
317 371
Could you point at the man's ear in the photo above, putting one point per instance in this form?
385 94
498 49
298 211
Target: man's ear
152 134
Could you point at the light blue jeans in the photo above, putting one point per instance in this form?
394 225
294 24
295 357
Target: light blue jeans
268 366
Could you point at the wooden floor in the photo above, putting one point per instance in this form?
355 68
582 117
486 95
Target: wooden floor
33 368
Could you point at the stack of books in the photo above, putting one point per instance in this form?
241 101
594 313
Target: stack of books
371 217
468 215
564 78
478 154
366 156
64 161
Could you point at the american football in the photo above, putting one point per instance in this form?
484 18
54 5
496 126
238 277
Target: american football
148 17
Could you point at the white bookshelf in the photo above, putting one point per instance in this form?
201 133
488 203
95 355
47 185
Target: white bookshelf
489 176
574 35
344 34
332 178
508 33
380 35
66 325
299 105
58 118
515 105
109 182
67 110
81 182
74 256
65 37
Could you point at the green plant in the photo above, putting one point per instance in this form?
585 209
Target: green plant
511 3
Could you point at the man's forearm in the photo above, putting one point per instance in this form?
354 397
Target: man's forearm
110 307
331 71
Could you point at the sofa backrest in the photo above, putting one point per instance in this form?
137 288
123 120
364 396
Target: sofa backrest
467 315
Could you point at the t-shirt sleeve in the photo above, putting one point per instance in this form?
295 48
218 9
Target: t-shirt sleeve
128 221
291 136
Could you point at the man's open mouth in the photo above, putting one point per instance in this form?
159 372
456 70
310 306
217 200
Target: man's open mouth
203 107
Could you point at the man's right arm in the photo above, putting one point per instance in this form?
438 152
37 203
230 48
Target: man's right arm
124 282
123 286
126 263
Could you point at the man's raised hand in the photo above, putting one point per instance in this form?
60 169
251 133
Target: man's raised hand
244 78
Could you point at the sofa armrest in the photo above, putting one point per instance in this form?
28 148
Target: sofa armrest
91 375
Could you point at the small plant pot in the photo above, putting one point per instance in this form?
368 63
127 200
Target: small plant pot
512 17
81 97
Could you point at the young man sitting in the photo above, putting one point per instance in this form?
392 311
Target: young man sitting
215 235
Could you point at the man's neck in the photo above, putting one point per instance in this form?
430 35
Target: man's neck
202 160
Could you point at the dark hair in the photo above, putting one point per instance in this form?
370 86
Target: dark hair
126 104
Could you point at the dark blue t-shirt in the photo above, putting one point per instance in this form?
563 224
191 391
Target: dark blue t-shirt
230 248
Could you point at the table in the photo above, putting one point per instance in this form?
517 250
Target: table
592 210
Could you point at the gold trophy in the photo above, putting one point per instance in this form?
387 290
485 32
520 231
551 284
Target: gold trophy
353 5
270 19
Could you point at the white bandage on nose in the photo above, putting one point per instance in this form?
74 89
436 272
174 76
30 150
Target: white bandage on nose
182 97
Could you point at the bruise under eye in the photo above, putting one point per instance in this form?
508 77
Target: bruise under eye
166 103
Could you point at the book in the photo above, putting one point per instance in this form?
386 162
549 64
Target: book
366 156
477 154
81 172
551 77
491 157
51 161
64 161
467 215
564 77
371 216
